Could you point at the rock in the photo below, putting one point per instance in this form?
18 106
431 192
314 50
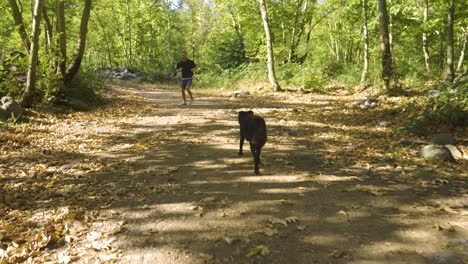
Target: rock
456 153
13 108
433 93
436 152
6 99
383 123
443 139
10 107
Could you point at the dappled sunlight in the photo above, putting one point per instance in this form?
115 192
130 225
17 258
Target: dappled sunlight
299 190
271 179
325 240
334 178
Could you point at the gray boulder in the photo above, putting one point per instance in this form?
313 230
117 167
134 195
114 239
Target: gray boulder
456 153
443 139
436 152
10 107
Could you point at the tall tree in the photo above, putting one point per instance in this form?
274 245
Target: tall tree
387 65
449 72
19 23
462 50
62 36
269 46
365 35
73 68
425 44
28 95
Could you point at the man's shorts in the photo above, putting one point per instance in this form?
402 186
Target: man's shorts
186 83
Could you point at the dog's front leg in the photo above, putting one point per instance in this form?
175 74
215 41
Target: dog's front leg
241 143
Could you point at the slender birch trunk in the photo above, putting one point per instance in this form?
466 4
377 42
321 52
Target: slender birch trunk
20 24
28 95
424 37
387 67
462 51
269 46
365 35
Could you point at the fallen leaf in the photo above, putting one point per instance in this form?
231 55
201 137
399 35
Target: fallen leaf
291 219
341 212
279 221
285 202
260 249
269 231
208 199
337 253
376 193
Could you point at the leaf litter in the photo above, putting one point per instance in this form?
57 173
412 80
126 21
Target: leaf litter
52 192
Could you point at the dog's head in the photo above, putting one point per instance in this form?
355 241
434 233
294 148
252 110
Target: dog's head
245 116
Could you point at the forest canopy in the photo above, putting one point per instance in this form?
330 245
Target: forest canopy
316 43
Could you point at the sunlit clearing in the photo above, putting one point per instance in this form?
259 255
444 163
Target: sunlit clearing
289 190
426 235
275 178
228 146
325 240
174 208
333 178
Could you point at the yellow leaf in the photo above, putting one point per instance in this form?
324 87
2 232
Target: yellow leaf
291 219
261 249
279 221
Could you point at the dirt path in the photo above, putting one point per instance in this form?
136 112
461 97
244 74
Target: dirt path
335 187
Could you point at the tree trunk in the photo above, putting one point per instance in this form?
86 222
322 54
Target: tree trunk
462 51
28 95
62 39
76 62
387 67
424 37
294 31
19 23
129 28
365 35
48 26
449 73
269 46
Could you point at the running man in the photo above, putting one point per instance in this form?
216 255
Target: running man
188 68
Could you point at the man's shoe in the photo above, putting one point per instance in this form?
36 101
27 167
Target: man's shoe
184 103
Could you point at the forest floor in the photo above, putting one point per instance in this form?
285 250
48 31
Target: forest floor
145 180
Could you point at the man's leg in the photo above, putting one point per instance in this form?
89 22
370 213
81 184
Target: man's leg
182 88
189 91
183 96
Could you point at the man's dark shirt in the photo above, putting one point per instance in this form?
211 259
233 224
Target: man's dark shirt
187 67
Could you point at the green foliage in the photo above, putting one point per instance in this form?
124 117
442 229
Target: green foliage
86 87
313 79
448 105
226 52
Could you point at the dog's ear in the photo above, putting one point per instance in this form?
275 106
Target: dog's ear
250 113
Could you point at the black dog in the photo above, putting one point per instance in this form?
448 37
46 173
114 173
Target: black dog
252 128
